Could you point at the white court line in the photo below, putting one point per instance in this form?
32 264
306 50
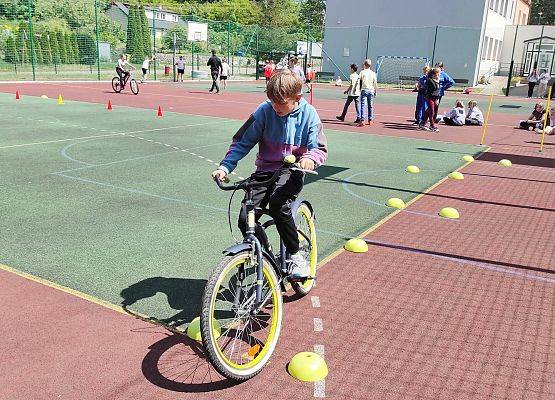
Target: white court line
55 141
315 301
318 325
319 386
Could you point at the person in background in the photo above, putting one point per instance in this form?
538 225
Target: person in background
121 70
421 97
309 76
225 73
145 67
180 64
445 82
456 115
532 80
474 115
338 81
353 94
432 96
543 80
215 65
535 119
268 71
294 67
368 90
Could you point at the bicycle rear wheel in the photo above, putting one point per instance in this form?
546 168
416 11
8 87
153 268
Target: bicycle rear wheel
239 342
304 220
116 84
134 86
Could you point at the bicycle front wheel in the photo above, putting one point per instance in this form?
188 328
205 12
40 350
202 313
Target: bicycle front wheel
304 220
134 86
116 84
240 336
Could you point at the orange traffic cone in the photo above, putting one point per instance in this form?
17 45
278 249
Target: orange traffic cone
109 105
17 94
159 111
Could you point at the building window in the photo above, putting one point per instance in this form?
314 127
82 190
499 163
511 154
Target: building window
524 19
491 4
485 48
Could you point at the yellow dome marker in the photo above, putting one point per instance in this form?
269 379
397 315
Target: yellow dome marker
60 99
456 176
308 367
44 96
413 169
356 246
193 330
449 212
468 158
505 163
396 203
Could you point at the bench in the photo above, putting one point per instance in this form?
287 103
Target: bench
322 75
407 80
461 81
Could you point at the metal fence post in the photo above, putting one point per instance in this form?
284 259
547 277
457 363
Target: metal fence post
228 40
31 38
512 65
154 41
97 39
434 49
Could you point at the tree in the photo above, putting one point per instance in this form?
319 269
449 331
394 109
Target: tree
312 15
547 8
55 48
282 13
181 42
22 44
145 33
70 57
62 47
244 12
75 48
39 58
10 54
131 41
87 48
46 49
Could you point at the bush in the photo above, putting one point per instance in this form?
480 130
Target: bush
87 48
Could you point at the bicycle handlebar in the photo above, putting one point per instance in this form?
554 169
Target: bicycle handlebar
248 185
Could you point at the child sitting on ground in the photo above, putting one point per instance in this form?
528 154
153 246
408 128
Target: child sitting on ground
549 124
535 119
285 124
338 81
474 115
455 116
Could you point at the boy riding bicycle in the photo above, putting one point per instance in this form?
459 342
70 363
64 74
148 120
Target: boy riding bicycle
120 68
285 124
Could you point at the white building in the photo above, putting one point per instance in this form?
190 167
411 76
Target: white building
467 35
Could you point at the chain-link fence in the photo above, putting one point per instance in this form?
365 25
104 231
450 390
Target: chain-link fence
82 39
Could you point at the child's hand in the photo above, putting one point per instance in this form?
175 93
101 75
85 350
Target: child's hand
307 163
219 174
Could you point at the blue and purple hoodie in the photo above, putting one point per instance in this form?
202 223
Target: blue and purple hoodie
299 133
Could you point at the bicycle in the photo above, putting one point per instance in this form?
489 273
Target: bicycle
118 87
242 301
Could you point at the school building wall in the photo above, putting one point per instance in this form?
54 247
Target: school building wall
448 31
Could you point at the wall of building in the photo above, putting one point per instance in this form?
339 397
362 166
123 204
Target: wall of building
405 28
522 12
523 34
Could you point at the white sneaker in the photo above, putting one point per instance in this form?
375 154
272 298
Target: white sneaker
300 268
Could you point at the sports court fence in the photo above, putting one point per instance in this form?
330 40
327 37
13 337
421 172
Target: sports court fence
82 39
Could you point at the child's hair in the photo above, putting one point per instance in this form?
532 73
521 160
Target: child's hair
472 103
367 63
354 67
284 86
426 69
433 72
540 105
294 60
439 64
213 52
459 104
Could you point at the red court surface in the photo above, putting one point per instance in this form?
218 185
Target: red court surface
437 309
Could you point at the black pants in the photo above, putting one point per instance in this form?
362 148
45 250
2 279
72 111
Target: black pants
122 75
215 75
448 121
531 86
348 102
471 121
278 198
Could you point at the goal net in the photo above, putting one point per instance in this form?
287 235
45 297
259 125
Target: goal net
399 69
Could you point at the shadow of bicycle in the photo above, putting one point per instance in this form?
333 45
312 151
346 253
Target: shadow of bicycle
179 363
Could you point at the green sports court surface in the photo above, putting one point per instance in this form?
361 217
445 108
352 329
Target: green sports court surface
120 205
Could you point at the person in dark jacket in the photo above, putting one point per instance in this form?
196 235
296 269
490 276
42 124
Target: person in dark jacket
445 82
215 65
421 98
432 96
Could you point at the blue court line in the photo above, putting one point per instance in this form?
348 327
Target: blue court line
483 265
65 149
141 192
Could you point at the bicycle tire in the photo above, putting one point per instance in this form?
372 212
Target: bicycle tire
216 338
116 84
304 220
134 86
